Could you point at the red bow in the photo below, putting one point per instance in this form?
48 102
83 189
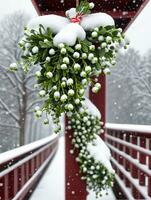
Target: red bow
76 19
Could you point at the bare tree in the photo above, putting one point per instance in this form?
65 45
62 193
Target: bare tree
17 93
129 93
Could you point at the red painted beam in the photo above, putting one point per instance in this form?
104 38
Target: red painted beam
115 15
137 13
75 187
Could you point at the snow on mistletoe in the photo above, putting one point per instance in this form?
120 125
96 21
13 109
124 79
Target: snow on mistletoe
72 51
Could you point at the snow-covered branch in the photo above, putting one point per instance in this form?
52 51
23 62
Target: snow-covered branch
33 103
9 126
8 110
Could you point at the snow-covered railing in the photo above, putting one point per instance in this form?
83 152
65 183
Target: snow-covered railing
21 168
131 157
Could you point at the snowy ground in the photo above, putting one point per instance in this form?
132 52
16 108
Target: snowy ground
54 179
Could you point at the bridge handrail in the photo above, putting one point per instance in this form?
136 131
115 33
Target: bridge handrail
21 168
131 158
129 127
19 151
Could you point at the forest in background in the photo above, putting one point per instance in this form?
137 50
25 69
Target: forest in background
129 89
18 96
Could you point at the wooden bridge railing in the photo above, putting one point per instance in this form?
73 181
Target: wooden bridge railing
21 168
131 157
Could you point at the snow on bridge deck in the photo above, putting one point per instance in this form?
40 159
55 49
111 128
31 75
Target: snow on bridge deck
52 184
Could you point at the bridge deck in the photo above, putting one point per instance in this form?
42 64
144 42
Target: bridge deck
52 185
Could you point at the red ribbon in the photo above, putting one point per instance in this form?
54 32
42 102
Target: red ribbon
76 19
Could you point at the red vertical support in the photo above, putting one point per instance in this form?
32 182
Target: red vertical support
6 187
15 181
149 166
22 175
75 187
134 169
121 157
142 160
126 162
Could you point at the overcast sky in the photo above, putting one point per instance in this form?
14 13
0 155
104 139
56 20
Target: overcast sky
139 33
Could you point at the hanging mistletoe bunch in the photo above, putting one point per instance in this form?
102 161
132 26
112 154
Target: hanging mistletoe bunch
96 171
71 52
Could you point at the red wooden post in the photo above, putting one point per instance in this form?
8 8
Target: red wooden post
134 169
15 181
120 157
75 187
126 163
6 187
149 166
142 159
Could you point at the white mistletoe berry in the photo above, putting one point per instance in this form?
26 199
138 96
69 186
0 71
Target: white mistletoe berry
94 60
61 45
101 38
84 81
83 74
78 46
35 49
113 62
90 56
38 113
36 108
108 39
120 30
84 55
63 98
77 101
63 84
70 107
66 60
63 66
64 79
57 95
81 91
63 51
81 110
49 74
96 29
54 87
76 54
94 34
38 73
70 81
88 69
27 45
98 85
13 66
48 59
46 121
103 45
76 66
46 41
92 47
106 71
71 92
52 52
91 5
95 89
42 93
